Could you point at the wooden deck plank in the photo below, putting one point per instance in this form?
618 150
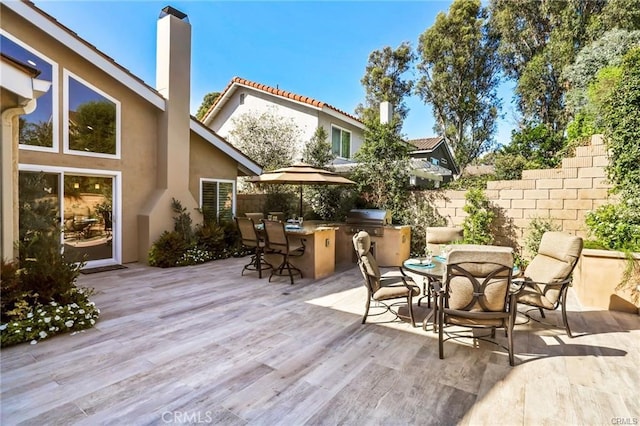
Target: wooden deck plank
203 343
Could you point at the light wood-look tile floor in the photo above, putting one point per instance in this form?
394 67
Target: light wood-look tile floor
202 344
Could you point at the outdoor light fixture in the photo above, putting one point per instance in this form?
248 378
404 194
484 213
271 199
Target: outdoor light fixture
97 186
76 185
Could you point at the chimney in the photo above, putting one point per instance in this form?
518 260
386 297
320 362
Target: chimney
386 111
173 81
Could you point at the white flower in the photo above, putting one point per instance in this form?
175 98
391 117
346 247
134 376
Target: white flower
69 323
3 327
28 328
30 315
47 320
93 321
81 311
73 305
53 303
33 342
43 334
57 318
52 329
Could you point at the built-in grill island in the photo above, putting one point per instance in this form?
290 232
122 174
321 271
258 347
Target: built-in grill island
390 244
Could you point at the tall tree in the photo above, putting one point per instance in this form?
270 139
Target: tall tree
460 70
207 101
384 80
537 40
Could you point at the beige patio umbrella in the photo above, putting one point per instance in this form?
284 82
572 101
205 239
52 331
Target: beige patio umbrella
301 174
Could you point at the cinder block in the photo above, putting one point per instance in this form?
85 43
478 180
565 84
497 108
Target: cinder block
549 174
446 212
578 204
563 194
550 204
601 183
591 172
597 140
577 162
492 194
523 204
571 214
592 194
574 225
600 161
536 194
541 213
578 183
510 184
522 223
547 183
515 213
455 195
456 203
591 151
504 203
513 194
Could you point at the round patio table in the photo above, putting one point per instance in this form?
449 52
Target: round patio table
433 271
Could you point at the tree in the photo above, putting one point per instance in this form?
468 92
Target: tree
460 77
537 144
317 151
383 81
383 168
207 101
268 138
537 40
35 134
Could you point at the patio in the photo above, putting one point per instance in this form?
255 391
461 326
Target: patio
201 344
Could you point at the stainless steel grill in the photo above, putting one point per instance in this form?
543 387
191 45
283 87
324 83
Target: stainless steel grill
372 221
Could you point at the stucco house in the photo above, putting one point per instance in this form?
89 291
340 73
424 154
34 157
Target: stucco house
346 131
114 151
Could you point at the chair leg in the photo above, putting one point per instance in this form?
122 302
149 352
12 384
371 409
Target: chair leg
440 327
366 309
563 301
541 313
410 303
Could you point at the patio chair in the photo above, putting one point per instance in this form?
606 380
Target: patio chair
436 237
257 217
549 275
381 289
278 242
476 293
250 238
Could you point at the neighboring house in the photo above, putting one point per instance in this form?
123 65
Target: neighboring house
346 132
114 151
436 160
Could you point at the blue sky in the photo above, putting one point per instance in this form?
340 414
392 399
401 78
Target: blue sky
313 48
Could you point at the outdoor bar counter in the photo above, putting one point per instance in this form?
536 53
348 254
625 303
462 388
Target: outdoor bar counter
319 258
329 246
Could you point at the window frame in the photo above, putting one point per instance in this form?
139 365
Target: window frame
55 113
342 132
66 74
218 182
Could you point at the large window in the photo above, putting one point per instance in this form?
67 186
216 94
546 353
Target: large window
38 129
92 119
341 142
217 200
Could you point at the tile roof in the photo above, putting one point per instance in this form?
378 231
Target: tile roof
275 91
426 144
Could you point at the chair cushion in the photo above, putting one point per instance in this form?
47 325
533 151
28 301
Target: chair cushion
533 295
443 234
472 322
362 243
393 288
556 257
461 294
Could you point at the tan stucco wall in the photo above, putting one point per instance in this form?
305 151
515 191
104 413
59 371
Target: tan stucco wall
141 125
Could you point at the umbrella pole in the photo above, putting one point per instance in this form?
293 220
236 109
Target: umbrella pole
300 201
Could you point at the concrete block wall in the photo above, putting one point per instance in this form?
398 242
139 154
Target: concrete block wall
563 195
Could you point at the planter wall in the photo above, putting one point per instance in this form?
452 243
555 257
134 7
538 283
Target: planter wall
596 277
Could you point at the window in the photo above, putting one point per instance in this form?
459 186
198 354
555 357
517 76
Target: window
241 98
435 161
217 200
92 120
443 160
38 129
341 142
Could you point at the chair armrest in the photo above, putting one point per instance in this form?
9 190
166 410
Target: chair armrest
528 282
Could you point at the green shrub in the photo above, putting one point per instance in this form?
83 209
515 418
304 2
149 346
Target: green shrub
537 227
168 249
477 224
616 226
421 214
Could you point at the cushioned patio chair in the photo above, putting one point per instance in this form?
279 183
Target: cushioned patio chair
250 238
279 243
549 275
476 292
436 237
381 289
